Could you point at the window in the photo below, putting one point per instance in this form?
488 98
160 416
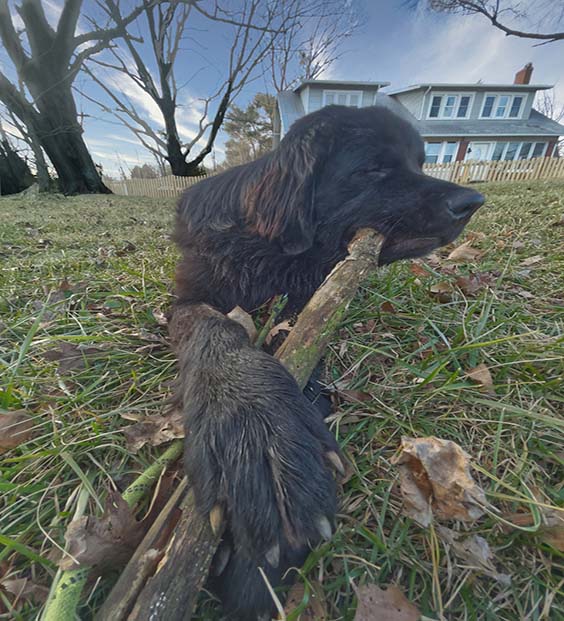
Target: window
342 98
440 152
502 106
515 107
518 150
449 106
539 149
525 150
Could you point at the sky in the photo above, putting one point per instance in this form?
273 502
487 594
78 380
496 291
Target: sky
398 42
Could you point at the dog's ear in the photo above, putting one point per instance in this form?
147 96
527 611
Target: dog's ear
281 204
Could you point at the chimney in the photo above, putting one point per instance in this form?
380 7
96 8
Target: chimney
524 75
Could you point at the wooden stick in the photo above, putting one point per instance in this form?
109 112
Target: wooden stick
171 592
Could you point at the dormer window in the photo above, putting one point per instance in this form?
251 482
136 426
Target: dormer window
342 98
450 106
502 106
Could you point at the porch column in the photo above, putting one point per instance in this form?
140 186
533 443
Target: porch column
462 148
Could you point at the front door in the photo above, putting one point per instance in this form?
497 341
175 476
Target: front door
478 151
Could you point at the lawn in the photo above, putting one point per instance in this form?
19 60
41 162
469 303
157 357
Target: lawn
89 278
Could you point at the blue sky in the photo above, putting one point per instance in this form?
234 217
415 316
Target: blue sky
398 44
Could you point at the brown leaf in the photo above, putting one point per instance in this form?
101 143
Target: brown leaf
316 609
443 291
418 270
376 604
532 260
241 316
283 326
435 480
16 427
471 284
464 253
388 307
355 395
104 543
25 589
475 551
153 430
481 375
71 357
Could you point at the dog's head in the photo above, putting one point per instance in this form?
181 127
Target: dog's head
341 169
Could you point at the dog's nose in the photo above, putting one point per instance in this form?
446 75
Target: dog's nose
464 203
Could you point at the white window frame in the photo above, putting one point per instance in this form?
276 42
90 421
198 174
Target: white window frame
518 151
442 150
443 96
347 93
496 96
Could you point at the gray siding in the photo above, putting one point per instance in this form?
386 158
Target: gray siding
316 96
528 105
315 99
411 101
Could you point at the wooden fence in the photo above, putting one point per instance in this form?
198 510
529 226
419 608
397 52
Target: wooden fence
458 172
163 187
511 170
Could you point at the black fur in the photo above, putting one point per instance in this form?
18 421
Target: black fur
255 445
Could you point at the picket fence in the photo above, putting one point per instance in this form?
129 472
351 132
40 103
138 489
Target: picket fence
458 172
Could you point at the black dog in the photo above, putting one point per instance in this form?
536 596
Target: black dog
257 453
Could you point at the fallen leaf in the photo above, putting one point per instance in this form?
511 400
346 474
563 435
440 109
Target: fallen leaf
390 604
518 244
473 235
443 291
418 270
16 427
435 480
25 589
388 307
464 253
159 317
316 608
103 543
526 294
242 317
550 531
532 260
355 396
481 375
71 357
283 326
153 430
475 551
471 284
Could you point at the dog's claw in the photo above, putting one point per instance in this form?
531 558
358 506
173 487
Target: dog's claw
273 556
324 527
216 519
336 462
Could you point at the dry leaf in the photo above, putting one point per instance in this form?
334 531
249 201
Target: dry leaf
283 326
241 316
532 260
471 284
481 375
388 307
464 253
316 609
153 430
103 543
355 396
71 357
435 480
475 551
25 589
552 531
418 270
443 291
15 428
376 604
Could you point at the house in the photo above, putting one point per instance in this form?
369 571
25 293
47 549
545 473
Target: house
457 121
312 95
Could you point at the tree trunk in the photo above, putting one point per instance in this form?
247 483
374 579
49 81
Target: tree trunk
15 175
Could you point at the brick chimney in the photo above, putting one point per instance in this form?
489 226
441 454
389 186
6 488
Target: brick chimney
523 76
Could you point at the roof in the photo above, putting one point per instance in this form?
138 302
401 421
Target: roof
536 125
344 83
290 107
476 86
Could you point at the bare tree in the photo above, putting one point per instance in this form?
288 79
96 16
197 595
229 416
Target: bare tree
542 20
255 26
313 42
46 61
547 104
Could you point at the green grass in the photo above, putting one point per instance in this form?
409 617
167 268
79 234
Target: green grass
97 272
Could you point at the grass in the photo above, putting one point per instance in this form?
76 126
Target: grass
97 272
